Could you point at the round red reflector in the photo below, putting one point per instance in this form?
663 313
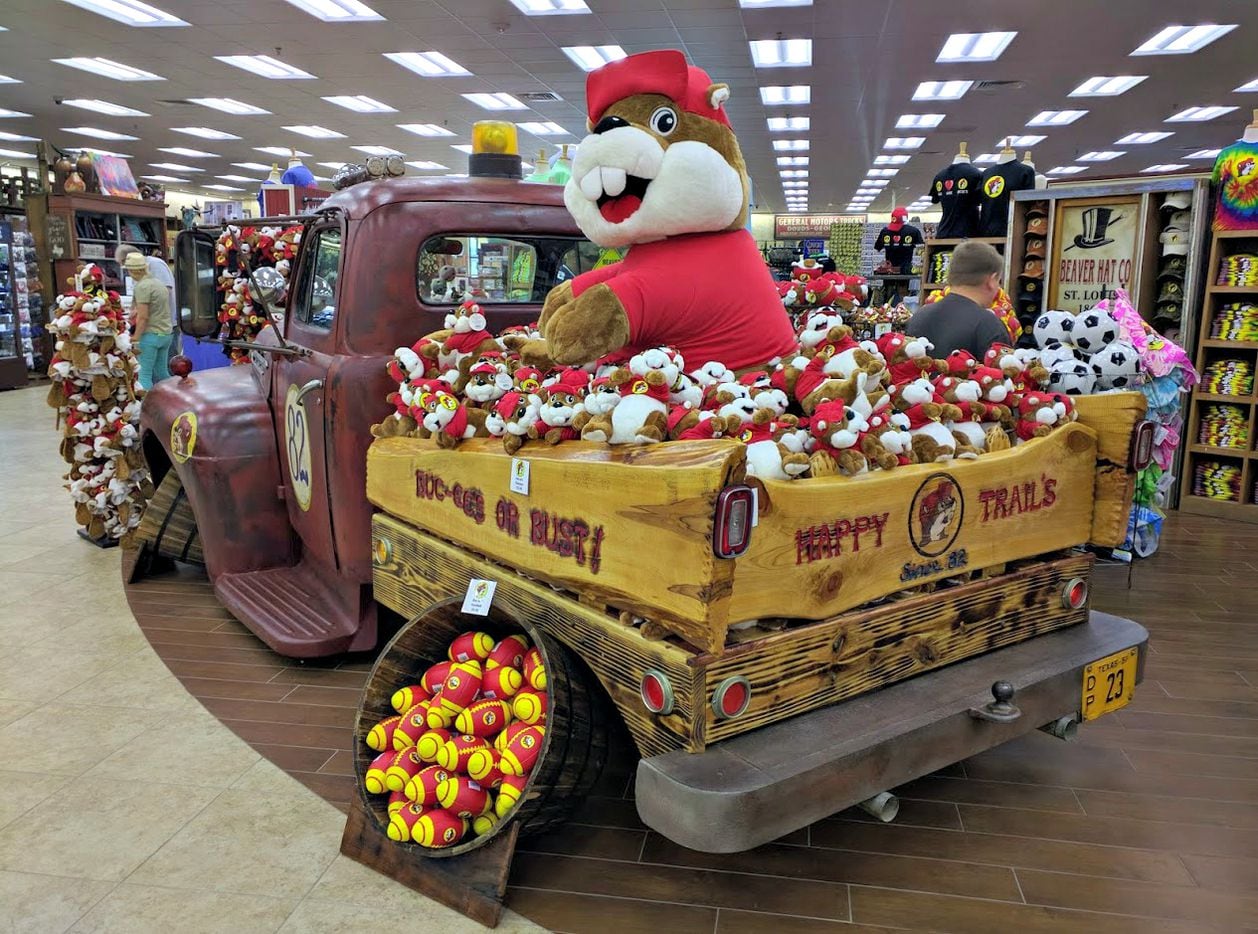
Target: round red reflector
731 697
1075 594
657 692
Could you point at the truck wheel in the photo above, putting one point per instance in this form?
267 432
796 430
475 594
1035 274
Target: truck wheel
578 721
168 527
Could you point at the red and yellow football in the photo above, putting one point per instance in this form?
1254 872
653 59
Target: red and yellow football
522 751
380 737
373 781
509 793
529 706
501 740
484 718
396 800
405 698
402 821
483 823
463 797
438 829
482 765
534 669
422 788
406 763
471 646
413 725
508 653
455 753
461 687
430 743
435 677
500 683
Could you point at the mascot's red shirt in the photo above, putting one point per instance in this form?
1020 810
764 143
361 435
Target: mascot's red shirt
709 295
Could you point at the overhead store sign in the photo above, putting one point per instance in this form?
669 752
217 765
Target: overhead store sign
801 226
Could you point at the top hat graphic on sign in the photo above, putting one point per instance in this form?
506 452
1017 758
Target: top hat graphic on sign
1096 222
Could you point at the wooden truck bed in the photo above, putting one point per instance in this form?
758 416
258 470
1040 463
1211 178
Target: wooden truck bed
854 585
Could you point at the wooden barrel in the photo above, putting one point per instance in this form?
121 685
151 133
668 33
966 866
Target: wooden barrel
578 719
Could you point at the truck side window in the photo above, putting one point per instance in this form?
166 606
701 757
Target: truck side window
317 304
498 269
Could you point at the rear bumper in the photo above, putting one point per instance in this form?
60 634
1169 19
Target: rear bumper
757 787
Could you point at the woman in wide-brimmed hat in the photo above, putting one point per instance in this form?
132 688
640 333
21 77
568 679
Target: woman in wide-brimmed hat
150 306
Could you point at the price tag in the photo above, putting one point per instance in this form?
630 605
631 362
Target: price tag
519 476
480 596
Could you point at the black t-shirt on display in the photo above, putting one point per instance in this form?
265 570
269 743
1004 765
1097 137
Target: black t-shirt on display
899 245
998 182
957 191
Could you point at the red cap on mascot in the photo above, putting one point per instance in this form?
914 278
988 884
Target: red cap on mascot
663 72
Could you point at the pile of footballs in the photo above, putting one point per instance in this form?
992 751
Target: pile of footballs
457 757
238 251
94 391
836 406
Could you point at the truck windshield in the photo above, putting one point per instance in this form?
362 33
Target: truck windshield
502 270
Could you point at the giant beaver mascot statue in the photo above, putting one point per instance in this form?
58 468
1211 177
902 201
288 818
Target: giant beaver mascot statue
661 173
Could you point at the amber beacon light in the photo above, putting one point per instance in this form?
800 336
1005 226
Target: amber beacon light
495 150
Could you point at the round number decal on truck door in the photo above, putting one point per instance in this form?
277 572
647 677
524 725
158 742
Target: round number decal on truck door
297 436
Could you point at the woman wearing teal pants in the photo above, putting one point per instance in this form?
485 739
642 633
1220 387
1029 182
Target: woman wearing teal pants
151 314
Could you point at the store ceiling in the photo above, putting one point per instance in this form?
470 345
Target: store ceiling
868 57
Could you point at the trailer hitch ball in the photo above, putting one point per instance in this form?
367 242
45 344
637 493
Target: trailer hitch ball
1002 709
884 806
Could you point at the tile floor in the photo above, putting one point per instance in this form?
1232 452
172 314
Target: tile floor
125 805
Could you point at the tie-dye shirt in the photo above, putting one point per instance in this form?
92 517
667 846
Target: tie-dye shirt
1236 175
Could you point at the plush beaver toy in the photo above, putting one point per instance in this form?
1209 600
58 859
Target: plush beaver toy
661 172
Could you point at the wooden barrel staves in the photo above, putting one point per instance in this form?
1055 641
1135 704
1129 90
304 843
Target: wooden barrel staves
578 720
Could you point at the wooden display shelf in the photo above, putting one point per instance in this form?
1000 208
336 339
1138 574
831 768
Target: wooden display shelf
1232 289
1215 397
1218 508
1229 345
1221 452
947 245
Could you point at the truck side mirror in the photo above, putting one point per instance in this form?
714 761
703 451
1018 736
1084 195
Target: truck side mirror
195 284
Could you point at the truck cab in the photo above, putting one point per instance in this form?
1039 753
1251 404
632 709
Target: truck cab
270 454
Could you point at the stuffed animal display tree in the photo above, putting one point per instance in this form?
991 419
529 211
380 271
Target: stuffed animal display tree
458 755
239 251
94 390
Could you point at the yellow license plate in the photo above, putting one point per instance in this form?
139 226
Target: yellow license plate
1109 683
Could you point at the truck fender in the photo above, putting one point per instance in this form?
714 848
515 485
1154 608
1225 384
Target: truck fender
216 430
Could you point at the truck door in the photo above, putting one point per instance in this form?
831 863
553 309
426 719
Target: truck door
301 403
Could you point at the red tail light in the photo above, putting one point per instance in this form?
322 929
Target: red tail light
1074 594
1141 446
731 697
657 692
731 530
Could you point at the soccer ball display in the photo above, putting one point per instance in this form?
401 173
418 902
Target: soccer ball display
1094 329
1116 365
1074 378
1056 355
1054 327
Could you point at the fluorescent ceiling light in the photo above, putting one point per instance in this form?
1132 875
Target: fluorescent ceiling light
204 132
882 173
228 105
589 57
1107 86
222 188
792 160
427 166
550 7
784 124
265 66
236 178
1140 139
874 183
1204 154
1169 167
919 121
794 173
95 133
764 4
1055 117
790 145
107 68
5 112
425 129
1247 87
974 47
1103 155
781 53
130 12
786 94
1199 114
17 138
548 128
377 150
455 175
315 132
871 192
987 158
176 167
891 160
428 64
166 178
255 166
1180 40
190 153
462 147
1067 170
103 107
281 151
361 103
15 154
496 101
98 151
904 142
941 90
338 11
1027 140
6 79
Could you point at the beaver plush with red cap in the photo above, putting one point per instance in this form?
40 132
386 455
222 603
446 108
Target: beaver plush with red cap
661 172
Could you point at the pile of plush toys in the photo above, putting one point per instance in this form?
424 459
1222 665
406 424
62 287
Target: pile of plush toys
238 251
458 755
837 406
94 391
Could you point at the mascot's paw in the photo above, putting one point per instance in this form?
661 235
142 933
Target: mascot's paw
557 297
536 353
997 440
597 429
585 328
794 465
823 465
